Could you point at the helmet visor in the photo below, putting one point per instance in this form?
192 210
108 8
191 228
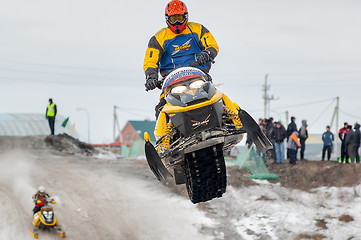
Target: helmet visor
180 18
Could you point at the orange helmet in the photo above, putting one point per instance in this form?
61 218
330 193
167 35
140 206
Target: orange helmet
176 15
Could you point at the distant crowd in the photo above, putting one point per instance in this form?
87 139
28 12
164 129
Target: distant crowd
296 140
350 143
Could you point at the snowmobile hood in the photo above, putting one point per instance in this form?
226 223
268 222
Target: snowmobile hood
182 74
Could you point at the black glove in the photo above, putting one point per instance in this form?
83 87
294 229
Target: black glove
150 84
203 57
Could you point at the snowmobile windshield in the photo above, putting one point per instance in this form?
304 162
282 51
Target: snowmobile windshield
187 86
182 74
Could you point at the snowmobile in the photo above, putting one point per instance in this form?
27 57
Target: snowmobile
196 127
45 219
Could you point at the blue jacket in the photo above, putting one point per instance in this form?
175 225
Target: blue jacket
328 138
166 50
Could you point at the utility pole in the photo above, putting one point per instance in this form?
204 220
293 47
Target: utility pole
116 124
265 96
336 131
267 99
336 115
114 119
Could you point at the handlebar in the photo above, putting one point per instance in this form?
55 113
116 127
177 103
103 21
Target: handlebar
195 64
159 84
191 64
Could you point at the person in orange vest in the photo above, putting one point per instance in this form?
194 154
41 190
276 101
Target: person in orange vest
50 115
292 145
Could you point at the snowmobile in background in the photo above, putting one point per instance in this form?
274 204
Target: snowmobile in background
45 219
195 128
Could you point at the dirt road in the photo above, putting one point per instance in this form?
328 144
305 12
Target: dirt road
99 197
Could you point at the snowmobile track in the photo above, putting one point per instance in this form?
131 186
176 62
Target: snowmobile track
205 174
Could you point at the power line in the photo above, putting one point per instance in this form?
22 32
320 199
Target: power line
315 73
68 67
134 112
320 115
59 73
308 103
348 114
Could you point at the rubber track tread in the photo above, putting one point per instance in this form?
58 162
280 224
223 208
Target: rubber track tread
205 174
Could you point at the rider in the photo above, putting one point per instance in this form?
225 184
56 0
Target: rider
41 198
179 44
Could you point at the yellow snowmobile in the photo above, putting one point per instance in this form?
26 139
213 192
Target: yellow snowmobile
196 126
45 219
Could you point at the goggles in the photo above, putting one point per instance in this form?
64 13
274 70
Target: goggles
180 18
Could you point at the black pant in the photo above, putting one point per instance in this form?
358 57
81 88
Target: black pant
36 209
303 147
344 155
357 154
328 149
351 151
51 124
159 107
293 156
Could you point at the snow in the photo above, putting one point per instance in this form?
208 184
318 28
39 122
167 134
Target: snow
288 213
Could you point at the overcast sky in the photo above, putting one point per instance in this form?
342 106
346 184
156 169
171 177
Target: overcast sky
89 54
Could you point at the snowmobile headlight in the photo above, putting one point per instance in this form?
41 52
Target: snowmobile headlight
196 84
179 89
48 214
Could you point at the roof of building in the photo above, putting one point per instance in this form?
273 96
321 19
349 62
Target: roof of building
30 124
144 126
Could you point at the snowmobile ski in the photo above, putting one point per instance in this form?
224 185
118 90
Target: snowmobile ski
61 234
154 161
258 137
35 235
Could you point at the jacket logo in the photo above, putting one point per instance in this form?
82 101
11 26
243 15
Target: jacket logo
197 124
184 46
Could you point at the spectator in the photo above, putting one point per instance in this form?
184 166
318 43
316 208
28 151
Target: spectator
249 142
270 127
358 141
50 115
341 134
292 127
292 146
263 155
350 143
328 139
303 136
279 135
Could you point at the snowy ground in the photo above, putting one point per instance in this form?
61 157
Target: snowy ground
102 197
269 211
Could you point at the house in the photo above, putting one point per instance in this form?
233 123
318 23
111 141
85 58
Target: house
134 131
132 137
